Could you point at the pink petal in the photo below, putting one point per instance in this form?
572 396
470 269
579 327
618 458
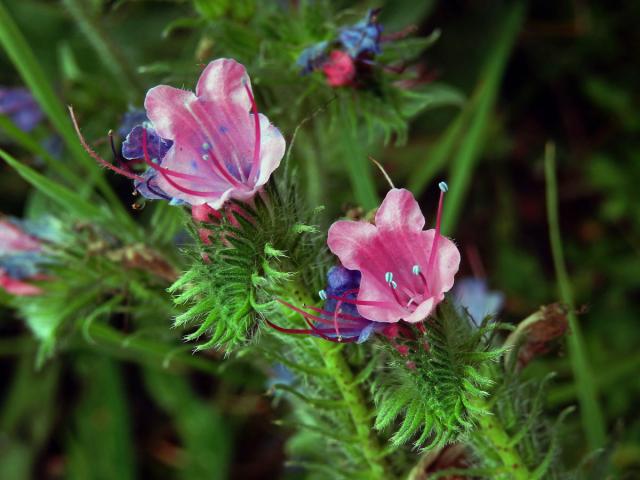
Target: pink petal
399 209
13 239
17 287
224 80
423 310
346 239
446 266
272 150
165 108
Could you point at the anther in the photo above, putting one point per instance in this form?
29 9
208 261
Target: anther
205 157
388 277
322 294
443 187
416 270
206 146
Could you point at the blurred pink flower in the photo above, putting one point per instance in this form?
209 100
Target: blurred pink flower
339 69
405 270
20 254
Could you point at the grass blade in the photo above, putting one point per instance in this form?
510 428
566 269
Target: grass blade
591 414
66 198
463 164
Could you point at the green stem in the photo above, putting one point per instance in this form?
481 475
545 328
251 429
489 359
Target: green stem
360 414
491 433
591 413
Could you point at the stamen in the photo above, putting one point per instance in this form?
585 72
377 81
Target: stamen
368 303
97 157
394 287
343 316
221 168
257 141
436 238
417 271
288 330
335 320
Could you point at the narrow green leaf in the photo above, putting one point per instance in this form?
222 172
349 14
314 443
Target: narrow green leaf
463 164
590 410
66 198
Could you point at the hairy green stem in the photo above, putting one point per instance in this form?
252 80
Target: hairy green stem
591 414
491 432
360 414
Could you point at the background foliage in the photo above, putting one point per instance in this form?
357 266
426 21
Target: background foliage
118 395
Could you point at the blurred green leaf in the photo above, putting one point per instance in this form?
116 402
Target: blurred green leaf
204 433
100 444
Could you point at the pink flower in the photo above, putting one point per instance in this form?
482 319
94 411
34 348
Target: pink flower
220 149
215 144
339 69
20 254
405 270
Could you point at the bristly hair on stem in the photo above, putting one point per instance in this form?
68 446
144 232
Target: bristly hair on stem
428 394
246 259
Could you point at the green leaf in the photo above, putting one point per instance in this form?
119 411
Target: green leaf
433 95
103 408
67 199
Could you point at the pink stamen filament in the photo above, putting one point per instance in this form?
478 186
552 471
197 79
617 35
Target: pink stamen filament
256 146
221 170
335 320
308 315
311 330
97 157
436 237
368 303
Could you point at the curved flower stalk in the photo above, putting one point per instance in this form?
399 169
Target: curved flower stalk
205 147
20 259
405 270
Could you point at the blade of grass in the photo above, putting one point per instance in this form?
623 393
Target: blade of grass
105 48
68 199
357 163
27 142
437 158
23 58
471 147
591 414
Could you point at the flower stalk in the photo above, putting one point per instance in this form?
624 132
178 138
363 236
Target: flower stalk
490 432
340 370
